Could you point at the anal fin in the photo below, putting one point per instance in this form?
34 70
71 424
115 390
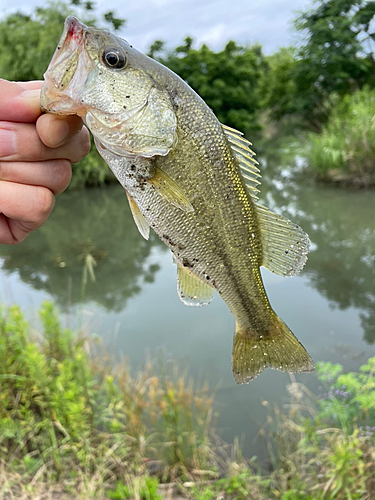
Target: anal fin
169 189
191 290
138 217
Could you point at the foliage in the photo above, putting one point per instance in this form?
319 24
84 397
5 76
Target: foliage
65 417
347 141
142 488
240 486
336 56
227 80
72 420
350 401
27 42
325 448
279 87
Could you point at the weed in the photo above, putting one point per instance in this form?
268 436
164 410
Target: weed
347 142
72 426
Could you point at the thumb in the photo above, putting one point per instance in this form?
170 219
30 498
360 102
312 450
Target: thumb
19 102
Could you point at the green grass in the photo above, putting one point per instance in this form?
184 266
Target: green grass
345 150
68 417
73 426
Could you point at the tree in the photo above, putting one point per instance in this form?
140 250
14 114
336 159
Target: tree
336 56
279 86
227 80
27 42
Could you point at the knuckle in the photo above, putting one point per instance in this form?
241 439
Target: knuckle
84 145
44 202
62 176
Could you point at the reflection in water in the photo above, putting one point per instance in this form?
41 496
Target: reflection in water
341 226
89 250
91 235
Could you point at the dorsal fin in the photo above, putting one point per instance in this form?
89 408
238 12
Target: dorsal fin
284 244
248 165
192 290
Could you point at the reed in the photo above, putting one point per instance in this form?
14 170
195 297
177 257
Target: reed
345 150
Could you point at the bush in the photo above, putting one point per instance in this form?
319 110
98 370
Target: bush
67 417
78 426
346 145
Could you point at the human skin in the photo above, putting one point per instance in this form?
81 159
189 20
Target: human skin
36 153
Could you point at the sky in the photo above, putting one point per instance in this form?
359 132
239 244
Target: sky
213 22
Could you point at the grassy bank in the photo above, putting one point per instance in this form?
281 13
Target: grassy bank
344 152
73 426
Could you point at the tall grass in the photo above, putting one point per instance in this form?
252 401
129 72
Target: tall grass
66 416
345 150
73 426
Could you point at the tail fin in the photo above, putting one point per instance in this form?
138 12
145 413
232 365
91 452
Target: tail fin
278 349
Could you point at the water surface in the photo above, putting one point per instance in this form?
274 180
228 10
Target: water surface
92 261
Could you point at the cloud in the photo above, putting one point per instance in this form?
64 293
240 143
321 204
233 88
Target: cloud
210 21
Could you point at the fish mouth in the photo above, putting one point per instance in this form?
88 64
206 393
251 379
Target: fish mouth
63 67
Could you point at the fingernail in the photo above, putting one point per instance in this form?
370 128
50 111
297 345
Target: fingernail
58 132
7 143
30 94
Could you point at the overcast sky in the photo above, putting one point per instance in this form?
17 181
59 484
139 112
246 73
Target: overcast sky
211 21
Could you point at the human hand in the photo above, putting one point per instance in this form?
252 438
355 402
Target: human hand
36 153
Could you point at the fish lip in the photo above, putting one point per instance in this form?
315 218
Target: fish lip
73 30
55 95
71 40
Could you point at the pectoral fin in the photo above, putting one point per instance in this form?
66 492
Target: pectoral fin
191 290
138 217
169 189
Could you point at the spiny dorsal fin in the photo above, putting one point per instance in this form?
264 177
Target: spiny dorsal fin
284 244
248 165
169 190
138 217
191 290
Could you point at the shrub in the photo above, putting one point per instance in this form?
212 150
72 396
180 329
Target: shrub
347 142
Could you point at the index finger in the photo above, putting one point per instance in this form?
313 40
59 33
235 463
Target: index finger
19 102
31 85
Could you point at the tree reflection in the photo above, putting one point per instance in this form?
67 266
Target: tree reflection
89 250
91 234
341 225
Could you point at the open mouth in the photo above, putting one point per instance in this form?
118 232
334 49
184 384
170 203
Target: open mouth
65 59
55 97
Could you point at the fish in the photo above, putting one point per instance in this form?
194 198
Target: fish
191 179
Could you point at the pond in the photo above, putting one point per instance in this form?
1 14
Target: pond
104 276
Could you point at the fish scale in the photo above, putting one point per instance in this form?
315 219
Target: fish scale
189 178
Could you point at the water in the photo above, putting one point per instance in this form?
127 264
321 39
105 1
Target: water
133 304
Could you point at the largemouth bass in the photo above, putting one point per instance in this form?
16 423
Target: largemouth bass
188 177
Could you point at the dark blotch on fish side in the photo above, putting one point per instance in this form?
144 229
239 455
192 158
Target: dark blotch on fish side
168 239
186 263
141 182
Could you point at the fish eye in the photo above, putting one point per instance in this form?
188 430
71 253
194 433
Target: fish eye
114 58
